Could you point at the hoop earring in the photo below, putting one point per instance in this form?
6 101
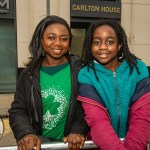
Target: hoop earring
120 56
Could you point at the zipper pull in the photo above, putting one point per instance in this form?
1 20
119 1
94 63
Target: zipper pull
114 74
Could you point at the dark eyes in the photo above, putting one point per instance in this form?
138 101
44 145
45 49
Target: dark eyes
51 37
98 42
63 39
110 42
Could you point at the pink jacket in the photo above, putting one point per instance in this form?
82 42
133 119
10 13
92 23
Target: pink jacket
104 136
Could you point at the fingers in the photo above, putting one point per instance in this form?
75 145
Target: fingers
65 140
28 142
38 144
75 141
82 142
79 142
22 145
73 145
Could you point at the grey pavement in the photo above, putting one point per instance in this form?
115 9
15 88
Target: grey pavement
7 140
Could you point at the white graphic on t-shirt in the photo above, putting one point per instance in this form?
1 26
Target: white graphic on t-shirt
50 121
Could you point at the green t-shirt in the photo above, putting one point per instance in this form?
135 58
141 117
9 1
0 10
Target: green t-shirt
55 85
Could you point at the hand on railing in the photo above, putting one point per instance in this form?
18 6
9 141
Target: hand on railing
74 141
56 145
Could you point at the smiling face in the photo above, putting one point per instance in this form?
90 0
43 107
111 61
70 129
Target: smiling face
55 42
105 47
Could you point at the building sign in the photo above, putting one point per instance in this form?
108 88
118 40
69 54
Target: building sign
7 8
95 9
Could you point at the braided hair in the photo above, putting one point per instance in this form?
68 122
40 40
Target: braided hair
124 52
35 46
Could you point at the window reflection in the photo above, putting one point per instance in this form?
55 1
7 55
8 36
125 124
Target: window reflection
77 41
7 56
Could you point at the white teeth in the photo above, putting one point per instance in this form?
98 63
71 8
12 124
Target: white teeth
103 55
57 50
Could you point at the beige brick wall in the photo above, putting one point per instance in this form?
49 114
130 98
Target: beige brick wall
29 13
136 22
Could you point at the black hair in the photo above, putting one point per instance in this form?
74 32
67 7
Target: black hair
35 46
124 52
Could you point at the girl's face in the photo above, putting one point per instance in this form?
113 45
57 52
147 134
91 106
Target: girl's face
55 41
105 47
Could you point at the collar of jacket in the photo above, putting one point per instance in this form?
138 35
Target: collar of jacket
34 75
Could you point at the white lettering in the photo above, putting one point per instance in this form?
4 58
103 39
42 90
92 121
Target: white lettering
6 2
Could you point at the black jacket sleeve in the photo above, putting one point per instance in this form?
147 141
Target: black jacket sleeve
79 125
19 116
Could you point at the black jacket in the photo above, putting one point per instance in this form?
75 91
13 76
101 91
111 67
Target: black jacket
25 114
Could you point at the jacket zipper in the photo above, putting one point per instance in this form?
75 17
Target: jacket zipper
117 100
32 99
33 105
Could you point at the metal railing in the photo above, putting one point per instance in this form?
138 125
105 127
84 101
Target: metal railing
55 146
61 146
